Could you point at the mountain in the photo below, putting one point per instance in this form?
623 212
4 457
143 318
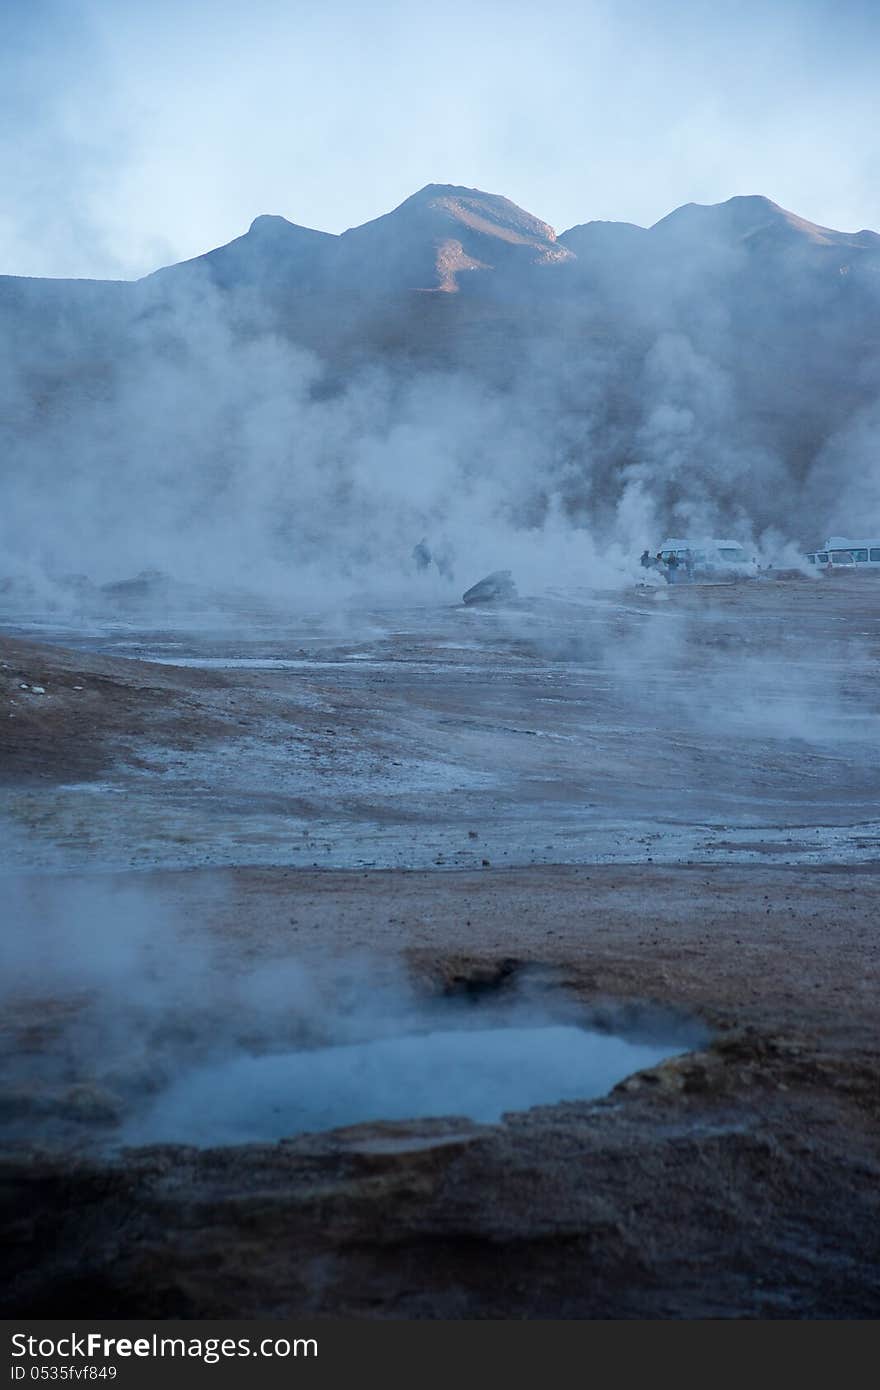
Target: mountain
790 310
754 223
450 239
721 353
444 237
436 240
736 237
273 251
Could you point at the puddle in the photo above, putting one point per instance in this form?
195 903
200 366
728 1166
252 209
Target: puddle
477 1073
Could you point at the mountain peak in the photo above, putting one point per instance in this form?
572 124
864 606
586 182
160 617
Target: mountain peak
738 216
440 236
269 222
487 213
755 219
270 225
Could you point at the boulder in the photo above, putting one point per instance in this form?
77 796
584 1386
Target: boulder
496 586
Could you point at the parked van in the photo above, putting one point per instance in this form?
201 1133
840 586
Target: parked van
840 552
721 558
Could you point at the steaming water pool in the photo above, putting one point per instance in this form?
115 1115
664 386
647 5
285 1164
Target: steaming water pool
476 1073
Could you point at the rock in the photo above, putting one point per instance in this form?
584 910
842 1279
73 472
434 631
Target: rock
496 586
148 584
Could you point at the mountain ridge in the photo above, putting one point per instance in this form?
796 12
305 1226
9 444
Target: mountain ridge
727 357
444 231
447 238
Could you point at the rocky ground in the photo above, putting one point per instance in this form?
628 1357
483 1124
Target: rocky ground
739 1179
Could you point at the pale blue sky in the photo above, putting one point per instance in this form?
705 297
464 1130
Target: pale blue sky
134 133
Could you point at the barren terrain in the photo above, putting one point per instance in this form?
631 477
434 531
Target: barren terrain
660 813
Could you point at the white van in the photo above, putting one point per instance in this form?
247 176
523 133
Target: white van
840 552
724 558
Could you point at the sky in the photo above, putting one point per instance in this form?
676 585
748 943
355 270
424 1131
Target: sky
136 133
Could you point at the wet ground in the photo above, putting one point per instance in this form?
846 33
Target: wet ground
220 831
730 723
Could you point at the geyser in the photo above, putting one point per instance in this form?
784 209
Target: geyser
479 1073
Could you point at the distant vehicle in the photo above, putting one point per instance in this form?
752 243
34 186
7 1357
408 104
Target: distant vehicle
839 552
726 558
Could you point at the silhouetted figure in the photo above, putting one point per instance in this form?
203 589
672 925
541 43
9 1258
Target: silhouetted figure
645 560
443 561
422 554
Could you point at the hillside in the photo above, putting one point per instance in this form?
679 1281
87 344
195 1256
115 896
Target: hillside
720 368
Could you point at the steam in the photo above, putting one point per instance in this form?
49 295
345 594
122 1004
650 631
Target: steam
124 1010
228 469
194 436
478 1073
151 984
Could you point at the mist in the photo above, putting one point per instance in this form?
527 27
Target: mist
205 433
404 877
137 1021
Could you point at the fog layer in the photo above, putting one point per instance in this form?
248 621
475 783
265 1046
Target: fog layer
295 412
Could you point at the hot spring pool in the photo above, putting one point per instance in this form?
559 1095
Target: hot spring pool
472 1072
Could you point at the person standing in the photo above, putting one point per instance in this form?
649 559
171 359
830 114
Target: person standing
422 554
